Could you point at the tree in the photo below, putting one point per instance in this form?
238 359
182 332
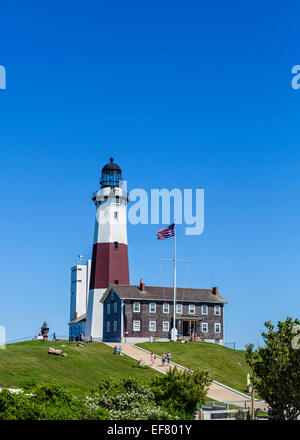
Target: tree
276 368
181 392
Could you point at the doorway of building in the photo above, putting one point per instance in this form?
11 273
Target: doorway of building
188 327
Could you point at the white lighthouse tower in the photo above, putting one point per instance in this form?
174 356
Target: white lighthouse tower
110 250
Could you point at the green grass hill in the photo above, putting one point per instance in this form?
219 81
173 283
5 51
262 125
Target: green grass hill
224 364
80 370
84 366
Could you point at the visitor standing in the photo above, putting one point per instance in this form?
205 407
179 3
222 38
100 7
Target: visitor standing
169 357
152 358
163 360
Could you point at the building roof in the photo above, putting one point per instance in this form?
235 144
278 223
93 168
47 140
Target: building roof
80 318
159 293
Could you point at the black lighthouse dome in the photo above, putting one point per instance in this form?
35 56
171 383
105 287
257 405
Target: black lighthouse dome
111 174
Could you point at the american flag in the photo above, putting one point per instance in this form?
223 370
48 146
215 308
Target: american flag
166 232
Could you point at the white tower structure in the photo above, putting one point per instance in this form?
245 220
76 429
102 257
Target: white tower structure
110 249
80 279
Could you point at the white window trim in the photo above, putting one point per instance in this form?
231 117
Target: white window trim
202 313
151 311
202 324
134 329
166 322
166 304
150 329
215 311
179 304
217 324
192 313
137 311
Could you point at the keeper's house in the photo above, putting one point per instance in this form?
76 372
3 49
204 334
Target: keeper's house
142 313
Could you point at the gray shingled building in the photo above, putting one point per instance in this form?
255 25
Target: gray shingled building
143 313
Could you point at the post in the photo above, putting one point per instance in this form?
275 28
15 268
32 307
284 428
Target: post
174 299
252 402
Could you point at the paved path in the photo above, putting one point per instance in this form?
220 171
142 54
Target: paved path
216 391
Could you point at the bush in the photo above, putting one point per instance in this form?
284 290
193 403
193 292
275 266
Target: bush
126 399
180 393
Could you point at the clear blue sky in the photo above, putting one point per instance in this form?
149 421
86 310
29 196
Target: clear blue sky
184 95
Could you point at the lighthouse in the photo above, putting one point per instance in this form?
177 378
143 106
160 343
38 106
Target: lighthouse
110 250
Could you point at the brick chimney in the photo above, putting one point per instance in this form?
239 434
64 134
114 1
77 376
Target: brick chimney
142 285
76 315
215 291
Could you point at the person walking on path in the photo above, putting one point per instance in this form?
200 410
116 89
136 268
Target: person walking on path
169 357
115 349
153 358
120 350
54 337
163 360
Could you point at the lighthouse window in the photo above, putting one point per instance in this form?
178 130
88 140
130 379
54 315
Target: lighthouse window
116 214
117 200
116 244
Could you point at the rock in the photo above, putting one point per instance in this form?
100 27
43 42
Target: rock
62 345
81 344
64 354
52 350
141 363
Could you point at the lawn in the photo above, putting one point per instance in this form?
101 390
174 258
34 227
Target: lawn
224 364
80 370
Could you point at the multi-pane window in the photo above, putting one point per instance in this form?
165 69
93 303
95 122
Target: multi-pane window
178 308
108 308
192 309
152 307
115 307
108 326
217 310
116 214
136 326
204 309
136 307
204 327
166 326
217 327
115 326
152 326
165 308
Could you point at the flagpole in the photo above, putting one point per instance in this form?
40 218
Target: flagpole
174 298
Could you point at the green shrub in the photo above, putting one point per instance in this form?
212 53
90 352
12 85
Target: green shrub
180 393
